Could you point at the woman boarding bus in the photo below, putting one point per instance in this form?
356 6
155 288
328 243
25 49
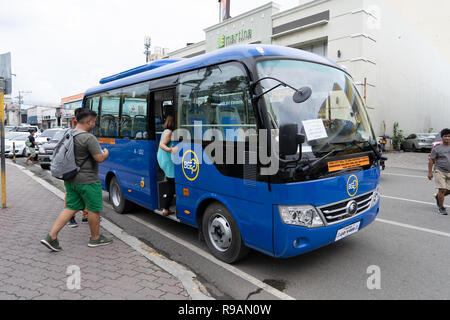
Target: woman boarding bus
275 150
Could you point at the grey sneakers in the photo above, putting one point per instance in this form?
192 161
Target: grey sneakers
51 244
441 211
101 241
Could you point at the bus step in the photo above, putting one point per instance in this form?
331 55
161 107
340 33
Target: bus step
171 217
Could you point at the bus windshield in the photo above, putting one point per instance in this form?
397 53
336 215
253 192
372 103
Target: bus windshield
334 100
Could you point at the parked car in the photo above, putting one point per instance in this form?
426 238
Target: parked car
418 142
436 141
9 145
16 139
45 153
26 129
46 136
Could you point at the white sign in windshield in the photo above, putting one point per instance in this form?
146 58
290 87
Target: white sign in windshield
314 129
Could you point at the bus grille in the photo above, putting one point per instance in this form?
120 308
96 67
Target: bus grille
338 211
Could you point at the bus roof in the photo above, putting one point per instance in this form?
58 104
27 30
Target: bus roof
227 54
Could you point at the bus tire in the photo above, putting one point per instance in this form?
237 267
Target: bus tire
118 201
222 234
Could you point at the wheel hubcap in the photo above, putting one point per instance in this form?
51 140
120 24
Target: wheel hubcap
219 231
115 195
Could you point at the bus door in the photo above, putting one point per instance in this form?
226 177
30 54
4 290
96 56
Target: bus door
163 104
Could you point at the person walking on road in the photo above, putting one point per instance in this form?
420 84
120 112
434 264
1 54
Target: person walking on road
31 144
85 189
440 158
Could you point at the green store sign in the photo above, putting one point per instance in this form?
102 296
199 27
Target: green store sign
241 36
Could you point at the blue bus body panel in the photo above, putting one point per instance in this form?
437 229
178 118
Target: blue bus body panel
255 208
318 193
311 239
246 200
133 162
146 67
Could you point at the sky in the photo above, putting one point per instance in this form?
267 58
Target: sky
61 48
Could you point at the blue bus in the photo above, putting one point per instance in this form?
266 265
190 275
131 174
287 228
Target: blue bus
303 108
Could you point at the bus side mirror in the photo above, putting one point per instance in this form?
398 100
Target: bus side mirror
290 139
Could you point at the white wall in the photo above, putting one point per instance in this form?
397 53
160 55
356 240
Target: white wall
413 64
401 47
186 51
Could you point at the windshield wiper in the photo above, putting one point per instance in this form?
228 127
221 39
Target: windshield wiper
357 144
310 166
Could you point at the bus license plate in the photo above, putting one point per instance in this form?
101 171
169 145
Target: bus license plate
347 231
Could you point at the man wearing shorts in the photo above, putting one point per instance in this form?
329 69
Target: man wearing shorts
85 189
440 158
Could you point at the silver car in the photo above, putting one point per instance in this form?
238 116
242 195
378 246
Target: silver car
45 154
419 142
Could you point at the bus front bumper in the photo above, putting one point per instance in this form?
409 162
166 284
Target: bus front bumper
291 240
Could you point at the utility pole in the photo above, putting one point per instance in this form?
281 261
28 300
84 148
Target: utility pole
20 104
147 45
3 90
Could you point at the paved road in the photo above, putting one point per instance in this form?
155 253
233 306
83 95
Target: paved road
409 243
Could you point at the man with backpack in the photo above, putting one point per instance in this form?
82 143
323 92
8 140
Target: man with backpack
83 188
31 144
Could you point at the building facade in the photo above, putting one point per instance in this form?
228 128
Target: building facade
66 115
396 51
42 116
11 112
48 119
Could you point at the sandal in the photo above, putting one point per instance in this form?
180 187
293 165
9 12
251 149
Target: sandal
168 213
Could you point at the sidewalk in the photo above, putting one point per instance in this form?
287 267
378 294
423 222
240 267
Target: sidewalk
28 270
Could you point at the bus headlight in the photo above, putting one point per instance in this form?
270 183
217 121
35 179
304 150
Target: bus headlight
375 197
305 216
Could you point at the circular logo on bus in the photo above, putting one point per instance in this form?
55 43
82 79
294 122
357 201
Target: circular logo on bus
190 165
352 186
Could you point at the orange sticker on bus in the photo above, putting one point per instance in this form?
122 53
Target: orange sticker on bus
347 164
107 140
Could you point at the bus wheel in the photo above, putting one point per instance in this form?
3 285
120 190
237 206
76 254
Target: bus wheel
119 203
222 234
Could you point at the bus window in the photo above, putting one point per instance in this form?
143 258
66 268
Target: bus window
216 98
93 103
134 124
109 117
162 100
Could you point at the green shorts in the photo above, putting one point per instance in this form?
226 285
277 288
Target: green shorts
79 196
